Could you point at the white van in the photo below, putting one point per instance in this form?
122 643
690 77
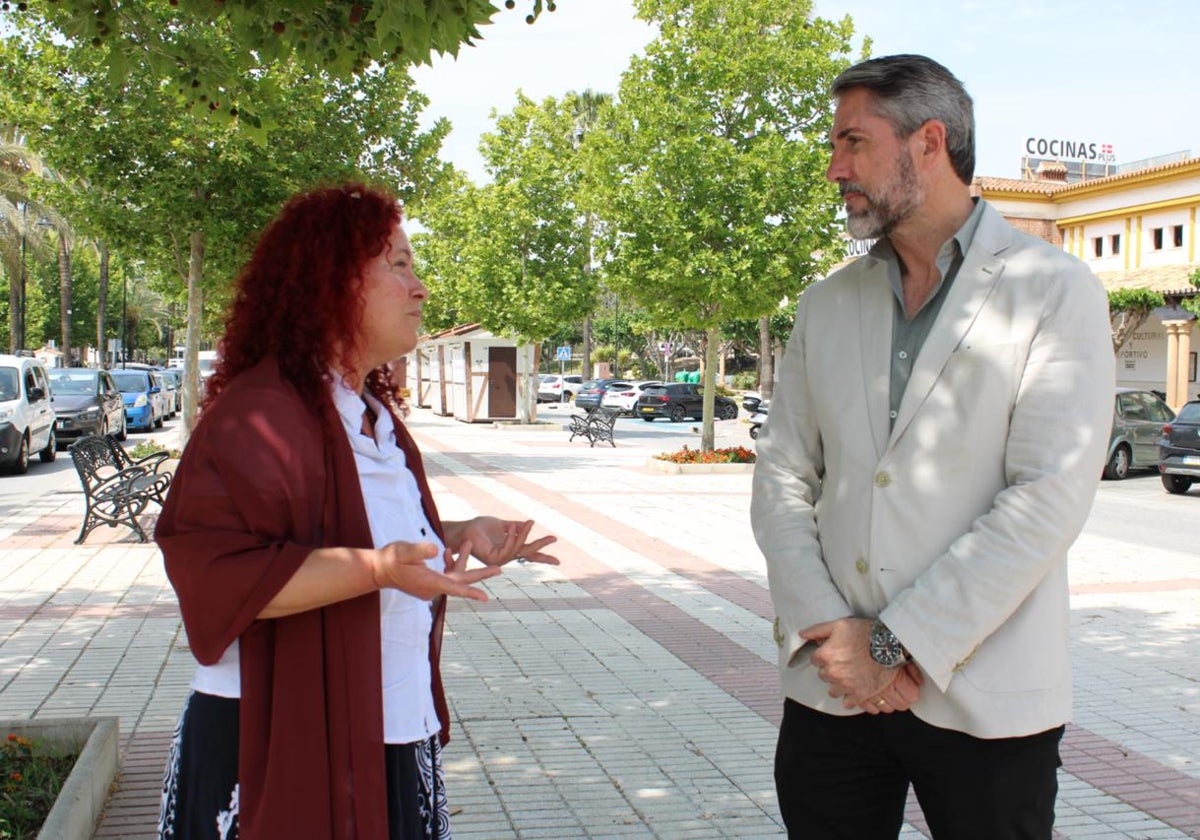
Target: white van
26 415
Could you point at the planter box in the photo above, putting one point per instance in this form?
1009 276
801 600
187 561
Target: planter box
77 809
671 468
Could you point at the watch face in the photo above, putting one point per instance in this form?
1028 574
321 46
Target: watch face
885 647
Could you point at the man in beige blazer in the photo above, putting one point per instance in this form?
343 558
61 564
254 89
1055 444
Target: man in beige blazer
933 447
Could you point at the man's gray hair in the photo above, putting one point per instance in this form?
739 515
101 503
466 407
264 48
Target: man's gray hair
911 89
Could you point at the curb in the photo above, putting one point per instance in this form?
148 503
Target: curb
659 465
534 426
76 811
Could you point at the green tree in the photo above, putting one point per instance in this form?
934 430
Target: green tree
187 195
336 38
23 236
713 176
511 255
1192 304
1128 309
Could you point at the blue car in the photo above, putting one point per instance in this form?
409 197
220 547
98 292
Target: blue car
140 395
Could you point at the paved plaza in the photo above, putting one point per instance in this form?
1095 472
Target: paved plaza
631 692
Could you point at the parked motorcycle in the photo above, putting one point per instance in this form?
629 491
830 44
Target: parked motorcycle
758 418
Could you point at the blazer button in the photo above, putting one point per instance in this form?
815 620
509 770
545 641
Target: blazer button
862 566
882 479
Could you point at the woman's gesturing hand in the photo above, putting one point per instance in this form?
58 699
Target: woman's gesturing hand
401 565
499 541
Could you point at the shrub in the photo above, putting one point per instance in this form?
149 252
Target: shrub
729 455
145 448
747 380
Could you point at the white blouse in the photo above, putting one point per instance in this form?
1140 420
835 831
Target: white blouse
393 503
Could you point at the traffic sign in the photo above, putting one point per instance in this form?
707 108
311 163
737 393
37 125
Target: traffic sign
563 354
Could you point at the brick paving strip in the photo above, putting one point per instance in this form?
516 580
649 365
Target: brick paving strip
1141 782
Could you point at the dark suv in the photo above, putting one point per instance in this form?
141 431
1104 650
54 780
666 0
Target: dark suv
1179 449
679 401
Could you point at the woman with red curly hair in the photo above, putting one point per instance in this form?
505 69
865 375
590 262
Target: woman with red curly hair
307 554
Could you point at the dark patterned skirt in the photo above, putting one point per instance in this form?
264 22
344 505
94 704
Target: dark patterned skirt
200 788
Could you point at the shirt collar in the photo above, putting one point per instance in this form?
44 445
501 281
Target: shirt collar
953 250
350 406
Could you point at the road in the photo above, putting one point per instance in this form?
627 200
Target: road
59 475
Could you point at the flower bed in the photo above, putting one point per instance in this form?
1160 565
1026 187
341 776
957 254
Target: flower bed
734 459
729 455
32 776
90 745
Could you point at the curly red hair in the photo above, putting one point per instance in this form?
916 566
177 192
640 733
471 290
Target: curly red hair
299 298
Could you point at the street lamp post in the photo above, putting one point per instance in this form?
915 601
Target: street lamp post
20 331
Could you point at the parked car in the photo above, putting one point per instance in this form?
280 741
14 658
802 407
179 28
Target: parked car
555 388
680 400
142 396
1179 449
173 382
590 393
86 402
207 362
26 413
623 396
1138 419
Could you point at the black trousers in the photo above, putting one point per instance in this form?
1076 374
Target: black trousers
847 777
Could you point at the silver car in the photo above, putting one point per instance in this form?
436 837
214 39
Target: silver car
1138 419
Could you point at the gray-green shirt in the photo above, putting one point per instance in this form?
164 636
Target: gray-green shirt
908 335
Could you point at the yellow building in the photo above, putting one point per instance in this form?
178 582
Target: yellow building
1135 229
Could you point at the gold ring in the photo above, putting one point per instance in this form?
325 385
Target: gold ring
881 702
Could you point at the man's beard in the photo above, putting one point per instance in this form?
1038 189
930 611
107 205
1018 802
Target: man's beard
894 202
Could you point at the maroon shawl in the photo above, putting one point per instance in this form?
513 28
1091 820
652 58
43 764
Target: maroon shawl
264 480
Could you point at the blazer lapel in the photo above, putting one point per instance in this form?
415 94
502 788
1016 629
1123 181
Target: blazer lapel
977 276
875 306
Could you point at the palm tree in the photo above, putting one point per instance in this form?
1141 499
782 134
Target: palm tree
587 108
144 305
20 222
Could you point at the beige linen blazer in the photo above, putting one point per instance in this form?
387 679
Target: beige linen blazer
952 527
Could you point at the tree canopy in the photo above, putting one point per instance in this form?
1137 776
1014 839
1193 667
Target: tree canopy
339 38
712 178
512 254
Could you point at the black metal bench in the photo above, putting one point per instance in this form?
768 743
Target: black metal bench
114 493
153 463
596 425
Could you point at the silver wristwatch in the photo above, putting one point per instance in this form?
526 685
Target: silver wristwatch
885 647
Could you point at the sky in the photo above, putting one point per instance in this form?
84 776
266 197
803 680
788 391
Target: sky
1103 72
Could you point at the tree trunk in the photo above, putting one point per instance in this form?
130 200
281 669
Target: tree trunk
587 320
191 352
707 432
766 358
1125 322
64 295
587 347
102 303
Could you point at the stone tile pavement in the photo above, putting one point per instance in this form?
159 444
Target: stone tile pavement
630 692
